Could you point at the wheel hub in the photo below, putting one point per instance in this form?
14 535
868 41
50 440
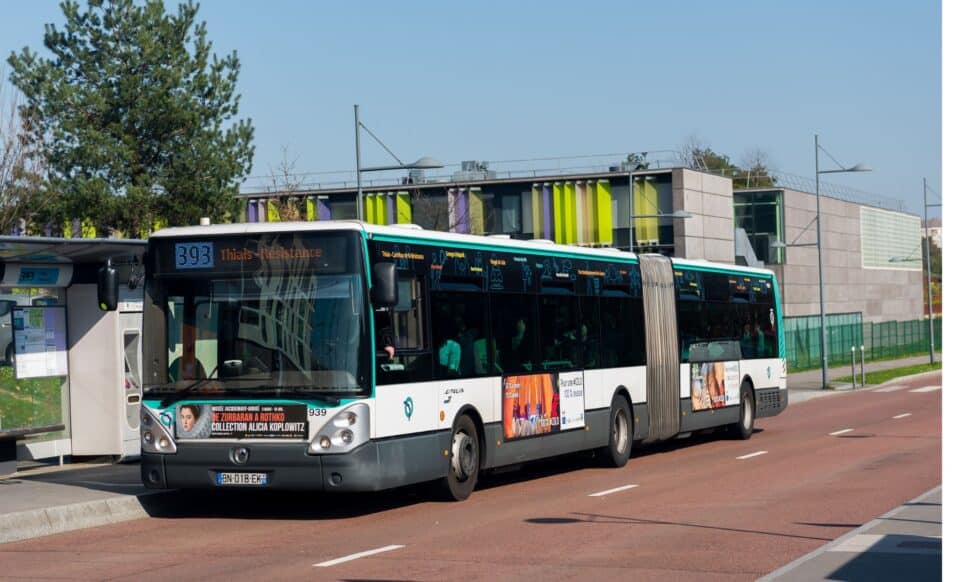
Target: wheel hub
464 456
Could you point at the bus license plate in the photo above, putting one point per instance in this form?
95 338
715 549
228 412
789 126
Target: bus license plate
256 479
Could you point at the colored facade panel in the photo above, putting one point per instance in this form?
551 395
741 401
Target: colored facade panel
323 208
536 211
251 211
590 209
87 230
647 230
404 210
311 208
559 228
570 207
457 210
477 223
604 213
546 199
273 211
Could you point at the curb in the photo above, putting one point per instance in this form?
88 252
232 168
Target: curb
53 520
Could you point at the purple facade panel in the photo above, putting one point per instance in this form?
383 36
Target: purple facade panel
252 211
547 208
323 209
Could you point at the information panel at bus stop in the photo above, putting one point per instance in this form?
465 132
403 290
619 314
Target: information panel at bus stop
40 341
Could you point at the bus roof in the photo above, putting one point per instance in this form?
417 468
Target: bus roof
415 233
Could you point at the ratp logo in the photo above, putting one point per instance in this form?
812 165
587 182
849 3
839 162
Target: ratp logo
408 407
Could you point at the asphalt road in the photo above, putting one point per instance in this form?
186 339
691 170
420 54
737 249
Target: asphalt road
704 508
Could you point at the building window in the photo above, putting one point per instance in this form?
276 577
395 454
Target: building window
760 214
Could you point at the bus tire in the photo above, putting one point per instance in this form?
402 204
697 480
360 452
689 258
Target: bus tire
620 434
464 460
748 412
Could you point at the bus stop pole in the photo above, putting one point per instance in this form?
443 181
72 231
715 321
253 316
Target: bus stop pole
853 365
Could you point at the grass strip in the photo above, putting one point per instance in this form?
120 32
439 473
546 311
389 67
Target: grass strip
881 376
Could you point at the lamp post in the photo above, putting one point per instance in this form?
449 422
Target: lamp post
926 238
823 316
424 163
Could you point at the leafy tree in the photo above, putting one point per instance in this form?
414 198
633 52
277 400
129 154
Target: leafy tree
136 116
22 190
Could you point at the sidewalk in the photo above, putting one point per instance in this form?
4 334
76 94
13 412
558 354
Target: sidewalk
903 544
808 384
46 500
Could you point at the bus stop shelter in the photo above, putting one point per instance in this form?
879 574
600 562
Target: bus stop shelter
69 373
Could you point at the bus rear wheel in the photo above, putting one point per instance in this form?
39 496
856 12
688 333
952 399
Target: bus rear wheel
464 469
620 441
744 427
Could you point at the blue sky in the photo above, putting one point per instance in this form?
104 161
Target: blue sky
518 80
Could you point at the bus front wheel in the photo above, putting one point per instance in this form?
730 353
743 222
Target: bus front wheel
620 442
464 460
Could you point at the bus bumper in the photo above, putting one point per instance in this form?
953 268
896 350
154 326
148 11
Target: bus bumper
771 401
373 466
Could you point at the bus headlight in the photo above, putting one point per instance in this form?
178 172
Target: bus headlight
347 430
154 437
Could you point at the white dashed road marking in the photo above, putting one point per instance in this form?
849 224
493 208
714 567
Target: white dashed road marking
356 556
756 454
926 389
609 491
839 432
893 388
904 415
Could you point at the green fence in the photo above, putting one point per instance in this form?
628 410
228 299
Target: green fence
881 341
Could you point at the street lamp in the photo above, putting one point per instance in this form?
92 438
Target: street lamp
823 317
424 163
926 238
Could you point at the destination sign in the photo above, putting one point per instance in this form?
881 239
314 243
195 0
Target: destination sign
288 252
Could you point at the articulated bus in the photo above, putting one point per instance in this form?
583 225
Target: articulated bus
342 356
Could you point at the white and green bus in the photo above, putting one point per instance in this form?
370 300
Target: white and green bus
342 356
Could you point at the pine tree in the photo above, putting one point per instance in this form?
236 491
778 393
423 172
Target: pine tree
136 116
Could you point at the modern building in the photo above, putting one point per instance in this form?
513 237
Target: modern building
871 255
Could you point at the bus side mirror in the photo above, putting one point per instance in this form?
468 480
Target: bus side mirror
384 292
108 288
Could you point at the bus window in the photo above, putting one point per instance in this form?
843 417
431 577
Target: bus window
514 331
590 330
622 337
560 333
404 325
459 334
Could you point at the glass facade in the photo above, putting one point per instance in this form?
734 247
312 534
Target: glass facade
890 240
760 214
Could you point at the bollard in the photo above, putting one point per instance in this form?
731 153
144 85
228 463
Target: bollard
863 370
853 365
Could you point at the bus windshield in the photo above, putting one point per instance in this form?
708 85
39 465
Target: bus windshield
274 326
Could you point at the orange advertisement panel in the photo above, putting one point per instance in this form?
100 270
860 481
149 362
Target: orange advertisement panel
714 385
531 405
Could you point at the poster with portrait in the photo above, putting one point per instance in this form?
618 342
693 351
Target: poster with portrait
714 385
242 421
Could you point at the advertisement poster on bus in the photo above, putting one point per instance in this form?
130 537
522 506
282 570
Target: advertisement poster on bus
714 385
242 421
540 404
